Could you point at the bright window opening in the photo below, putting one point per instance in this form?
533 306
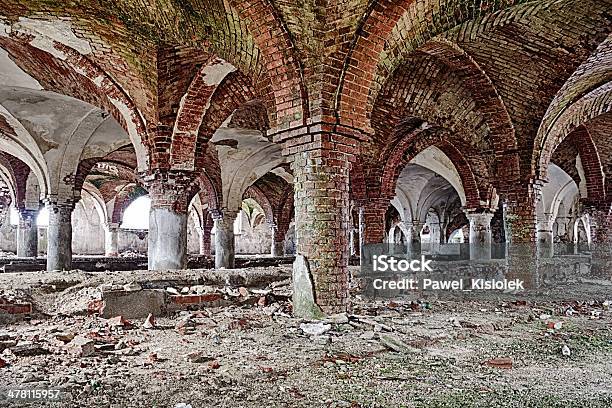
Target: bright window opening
42 220
136 216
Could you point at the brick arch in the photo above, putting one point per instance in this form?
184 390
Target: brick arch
386 23
208 182
591 164
410 145
124 197
194 104
458 222
235 90
588 83
275 43
426 88
79 77
256 194
18 174
481 87
595 103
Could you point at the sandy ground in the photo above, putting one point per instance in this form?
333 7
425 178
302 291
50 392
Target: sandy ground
493 351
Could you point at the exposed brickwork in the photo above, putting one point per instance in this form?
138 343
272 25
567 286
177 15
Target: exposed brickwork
374 211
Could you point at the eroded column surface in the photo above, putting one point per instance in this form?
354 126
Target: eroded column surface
27 234
414 240
278 241
111 239
321 185
545 241
434 233
480 235
520 226
601 241
59 237
225 251
168 220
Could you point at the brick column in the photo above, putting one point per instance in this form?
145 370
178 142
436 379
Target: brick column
520 226
27 234
111 239
544 236
169 193
204 234
374 211
480 235
321 163
224 238
59 236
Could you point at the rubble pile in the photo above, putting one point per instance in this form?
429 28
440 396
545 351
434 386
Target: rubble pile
161 344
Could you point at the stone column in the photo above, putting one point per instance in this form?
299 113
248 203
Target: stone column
204 233
434 233
278 241
224 239
27 234
545 243
59 237
480 235
601 241
414 239
169 192
111 239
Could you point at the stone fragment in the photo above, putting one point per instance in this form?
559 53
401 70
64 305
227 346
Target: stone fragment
304 304
133 305
118 321
149 322
82 346
394 343
132 287
315 329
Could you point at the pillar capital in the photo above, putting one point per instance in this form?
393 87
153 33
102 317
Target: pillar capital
171 189
319 133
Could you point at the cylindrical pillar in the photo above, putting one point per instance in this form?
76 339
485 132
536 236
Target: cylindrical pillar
169 192
59 237
224 239
544 236
278 241
434 234
321 185
480 235
27 234
111 239
414 229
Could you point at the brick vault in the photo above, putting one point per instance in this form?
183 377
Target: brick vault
343 122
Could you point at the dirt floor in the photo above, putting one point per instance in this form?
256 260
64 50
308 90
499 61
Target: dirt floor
551 349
